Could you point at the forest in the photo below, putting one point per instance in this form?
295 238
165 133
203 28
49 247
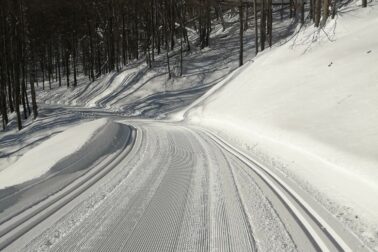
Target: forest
45 41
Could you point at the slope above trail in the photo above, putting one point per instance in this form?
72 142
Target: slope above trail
309 109
48 154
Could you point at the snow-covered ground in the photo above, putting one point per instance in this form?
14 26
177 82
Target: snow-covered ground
51 121
308 108
45 156
279 155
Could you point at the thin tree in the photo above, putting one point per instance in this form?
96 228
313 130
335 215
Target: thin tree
241 33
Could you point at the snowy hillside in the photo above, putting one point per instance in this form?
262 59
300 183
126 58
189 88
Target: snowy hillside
40 163
138 91
117 151
309 109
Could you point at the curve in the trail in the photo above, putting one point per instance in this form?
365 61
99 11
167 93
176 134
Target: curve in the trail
180 188
16 224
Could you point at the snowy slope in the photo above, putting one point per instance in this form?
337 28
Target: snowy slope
138 91
45 156
309 109
162 186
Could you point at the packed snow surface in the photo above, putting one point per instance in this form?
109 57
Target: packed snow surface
164 186
309 109
43 157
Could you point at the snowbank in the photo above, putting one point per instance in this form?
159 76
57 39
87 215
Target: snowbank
45 156
309 109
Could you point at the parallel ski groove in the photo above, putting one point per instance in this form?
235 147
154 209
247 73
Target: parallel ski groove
242 208
172 193
272 181
12 232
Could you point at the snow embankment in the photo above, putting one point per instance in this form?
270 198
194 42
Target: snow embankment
60 151
309 109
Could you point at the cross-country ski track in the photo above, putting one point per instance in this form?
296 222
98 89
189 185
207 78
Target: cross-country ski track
176 187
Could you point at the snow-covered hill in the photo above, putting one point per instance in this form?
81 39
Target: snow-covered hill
309 109
138 91
75 148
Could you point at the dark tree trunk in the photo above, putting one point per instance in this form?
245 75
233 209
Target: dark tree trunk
43 72
302 11
282 9
153 24
263 25
256 26
67 67
220 14
17 94
325 11
318 10
334 9
74 58
3 100
246 18
49 55
241 33
3 104
32 89
270 22
99 69
124 48
291 6
23 100
91 51
167 47
58 67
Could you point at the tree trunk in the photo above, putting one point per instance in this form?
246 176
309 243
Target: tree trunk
282 9
49 55
74 58
291 8
256 26
325 11
246 18
34 102
67 59
182 37
124 49
270 22
3 100
43 72
17 94
220 13
241 33
318 9
334 9
91 51
58 66
23 100
302 11
263 25
167 48
3 104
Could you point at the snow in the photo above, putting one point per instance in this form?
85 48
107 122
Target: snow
137 91
308 108
164 195
42 158
305 110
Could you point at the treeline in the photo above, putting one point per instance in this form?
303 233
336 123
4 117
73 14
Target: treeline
45 41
